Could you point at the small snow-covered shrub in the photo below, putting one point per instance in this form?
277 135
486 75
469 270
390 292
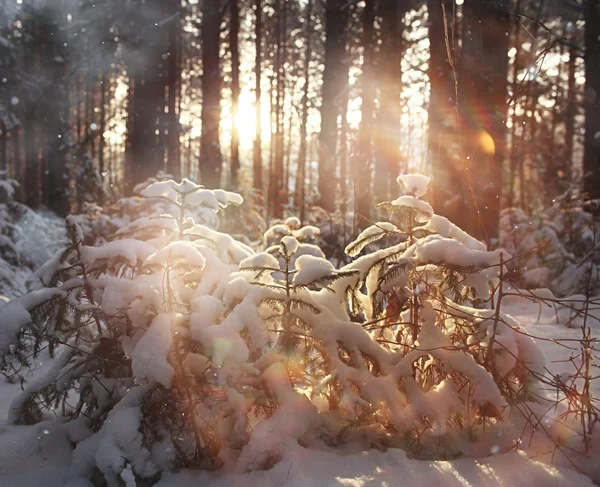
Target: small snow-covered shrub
27 238
177 345
131 320
246 223
331 232
558 249
336 231
100 222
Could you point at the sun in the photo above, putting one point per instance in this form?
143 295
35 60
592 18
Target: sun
245 120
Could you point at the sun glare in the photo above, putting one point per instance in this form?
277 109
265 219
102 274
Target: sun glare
245 121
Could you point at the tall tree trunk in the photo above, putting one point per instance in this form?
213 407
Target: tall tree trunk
483 89
591 158
173 87
300 193
344 164
16 151
234 29
257 176
512 153
54 58
146 144
443 136
556 161
277 193
571 108
103 82
364 157
30 134
387 135
333 84
210 145
289 145
3 149
78 91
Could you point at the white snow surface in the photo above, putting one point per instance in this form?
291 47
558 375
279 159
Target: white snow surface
303 467
414 183
310 268
149 357
424 209
31 456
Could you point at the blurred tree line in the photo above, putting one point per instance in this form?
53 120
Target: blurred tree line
497 99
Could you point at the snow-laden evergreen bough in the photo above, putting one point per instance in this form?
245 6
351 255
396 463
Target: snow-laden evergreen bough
27 238
177 346
557 249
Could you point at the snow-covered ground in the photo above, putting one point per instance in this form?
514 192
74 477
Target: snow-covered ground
41 454
544 325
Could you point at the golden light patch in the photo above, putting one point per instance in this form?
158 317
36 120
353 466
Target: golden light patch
486 143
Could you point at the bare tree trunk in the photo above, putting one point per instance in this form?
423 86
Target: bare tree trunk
570 115
300 193
102 129
333 84
146 147
3 149
387 135
257 153
16 151
234 29
173 88
210 146
344 159
556 160
482 84
443 135
30 134
272 126
78 91
514 86
56 122
277 195
289 144
364 157
591 158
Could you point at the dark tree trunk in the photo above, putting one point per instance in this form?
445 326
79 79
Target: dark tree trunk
146 141
234 29
103 81
3 149
483 88
387 136
512 153
443 138
210 146
571 108
300 193
56 111
272 124
257 176
344 160
364 156
557 162
173 87
277 193
591 158
31 167
332 86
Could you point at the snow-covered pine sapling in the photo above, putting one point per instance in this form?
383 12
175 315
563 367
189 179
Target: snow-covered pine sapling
307 234
50 318
429 300
286 270
205 347
129 319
